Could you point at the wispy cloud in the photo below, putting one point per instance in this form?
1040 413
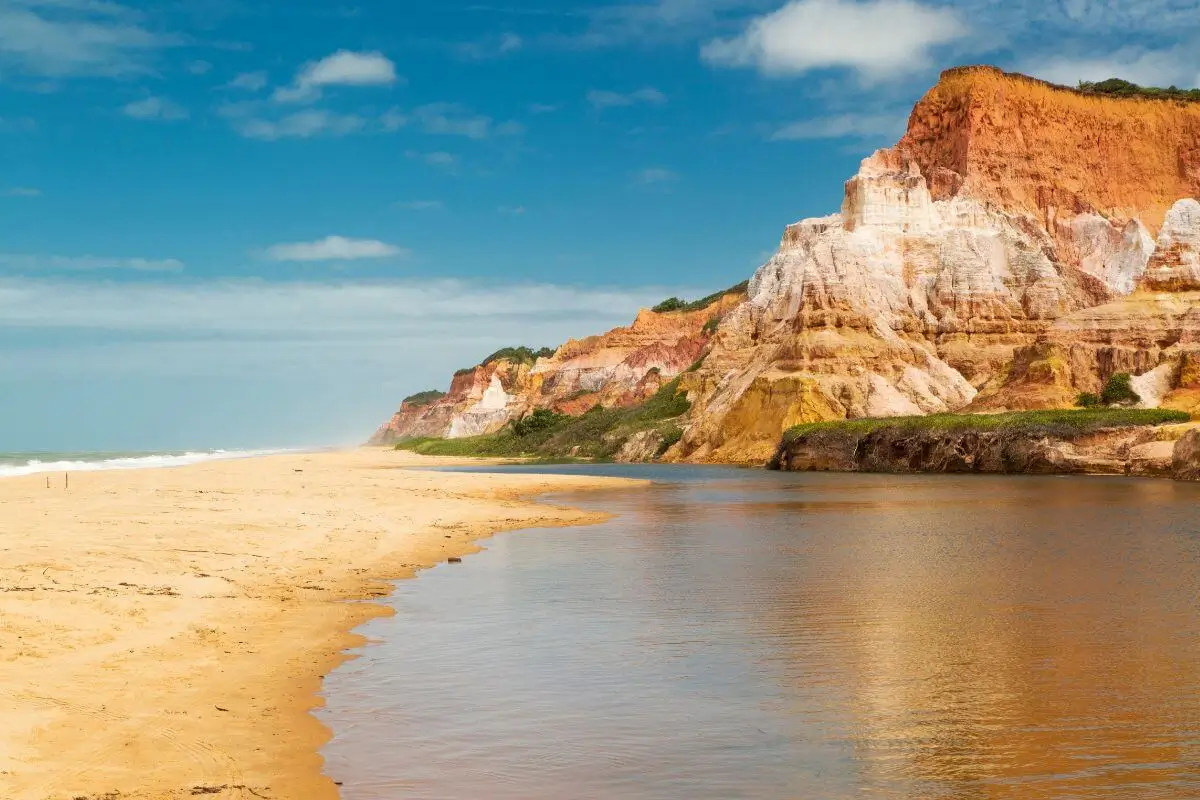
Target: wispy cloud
20 191
17 125
453 119
155 108
301 125
66 38
199 67
542 108
250 81
877 38
854 125
422 205
491 47
600 99
653 176
334 248
24 262
512 211
436 158
343 68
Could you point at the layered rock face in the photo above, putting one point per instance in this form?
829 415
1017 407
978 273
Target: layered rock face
620 368
1010 211
1019 245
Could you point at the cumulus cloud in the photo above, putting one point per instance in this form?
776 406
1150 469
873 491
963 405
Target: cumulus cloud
334 248
343 68
862 126
155 108
602 99
878 38
30 263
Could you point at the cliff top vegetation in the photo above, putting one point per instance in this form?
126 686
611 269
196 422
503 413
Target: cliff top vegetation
676 304
426 398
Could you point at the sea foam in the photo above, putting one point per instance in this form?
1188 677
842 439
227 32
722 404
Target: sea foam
80 462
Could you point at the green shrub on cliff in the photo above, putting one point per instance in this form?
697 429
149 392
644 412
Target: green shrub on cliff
1065 423
1119 390
1087 400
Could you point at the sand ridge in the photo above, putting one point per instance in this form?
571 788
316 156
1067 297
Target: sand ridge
163 633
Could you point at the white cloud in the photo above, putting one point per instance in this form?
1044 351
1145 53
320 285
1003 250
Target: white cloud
654 175
343 68
862 126
21 191
542 108
334 248
422 205
155 108
42 263
1173 66
515 211
249 81
57 39
601 100
301 125
452 119
878 38
199 67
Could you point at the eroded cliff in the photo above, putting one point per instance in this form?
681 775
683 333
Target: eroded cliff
1019 245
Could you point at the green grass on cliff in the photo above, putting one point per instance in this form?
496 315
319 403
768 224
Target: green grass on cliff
1058 422
597 434
421 399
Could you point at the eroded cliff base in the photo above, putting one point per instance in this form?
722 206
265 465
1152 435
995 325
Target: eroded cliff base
1141 442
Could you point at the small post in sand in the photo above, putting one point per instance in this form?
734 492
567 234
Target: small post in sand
66 480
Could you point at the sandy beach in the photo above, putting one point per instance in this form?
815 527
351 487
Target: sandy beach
163 633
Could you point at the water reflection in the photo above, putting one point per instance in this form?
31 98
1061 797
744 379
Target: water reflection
745 634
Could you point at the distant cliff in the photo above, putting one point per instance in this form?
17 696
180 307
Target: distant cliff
1019 245
618 369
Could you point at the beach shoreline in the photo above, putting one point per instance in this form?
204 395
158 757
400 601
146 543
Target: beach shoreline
165 632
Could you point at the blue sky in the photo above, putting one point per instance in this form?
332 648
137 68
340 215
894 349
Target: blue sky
228 223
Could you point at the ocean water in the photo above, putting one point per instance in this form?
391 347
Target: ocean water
745 634
31 463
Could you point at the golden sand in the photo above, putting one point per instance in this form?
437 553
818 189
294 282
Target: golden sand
163 633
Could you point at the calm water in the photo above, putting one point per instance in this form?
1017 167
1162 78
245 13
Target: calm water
742 634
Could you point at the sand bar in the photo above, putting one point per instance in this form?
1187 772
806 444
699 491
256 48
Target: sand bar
163 633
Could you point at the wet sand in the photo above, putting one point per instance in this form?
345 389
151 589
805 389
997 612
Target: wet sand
163 633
